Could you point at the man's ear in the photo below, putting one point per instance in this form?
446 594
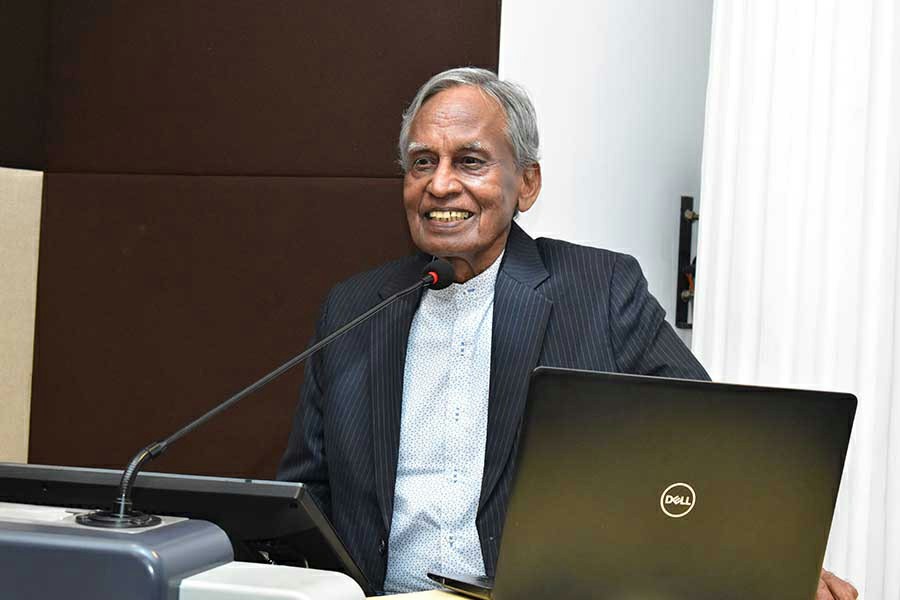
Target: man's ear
531 186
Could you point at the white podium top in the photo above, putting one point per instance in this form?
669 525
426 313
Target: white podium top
246 581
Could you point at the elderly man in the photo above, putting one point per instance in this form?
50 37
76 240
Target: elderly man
407 428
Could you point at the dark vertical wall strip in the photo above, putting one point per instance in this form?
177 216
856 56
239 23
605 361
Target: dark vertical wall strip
214 167
23 99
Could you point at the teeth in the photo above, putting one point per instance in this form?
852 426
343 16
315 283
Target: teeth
449 215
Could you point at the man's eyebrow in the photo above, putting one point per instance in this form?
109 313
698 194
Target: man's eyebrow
413 147
417 147
475 146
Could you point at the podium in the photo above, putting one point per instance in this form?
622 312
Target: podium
218 539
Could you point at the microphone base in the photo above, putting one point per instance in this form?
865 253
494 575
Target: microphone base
108 519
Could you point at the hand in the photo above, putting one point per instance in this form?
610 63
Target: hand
832 587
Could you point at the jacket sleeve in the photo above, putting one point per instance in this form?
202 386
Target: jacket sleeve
643 342
305 459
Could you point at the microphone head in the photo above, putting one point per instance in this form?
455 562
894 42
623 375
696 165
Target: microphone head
440 272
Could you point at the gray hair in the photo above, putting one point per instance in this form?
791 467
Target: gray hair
521 120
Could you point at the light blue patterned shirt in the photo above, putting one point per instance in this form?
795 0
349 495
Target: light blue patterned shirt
443 431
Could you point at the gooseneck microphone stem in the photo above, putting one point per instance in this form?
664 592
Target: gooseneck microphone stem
123 516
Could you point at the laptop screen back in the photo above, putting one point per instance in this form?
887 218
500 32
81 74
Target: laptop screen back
648 488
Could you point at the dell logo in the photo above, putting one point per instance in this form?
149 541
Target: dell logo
677 500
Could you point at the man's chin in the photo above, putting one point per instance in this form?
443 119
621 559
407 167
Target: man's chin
442 247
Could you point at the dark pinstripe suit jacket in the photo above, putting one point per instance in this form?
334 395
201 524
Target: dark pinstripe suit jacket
555 304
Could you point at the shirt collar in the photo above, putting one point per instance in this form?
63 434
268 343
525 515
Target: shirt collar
479 287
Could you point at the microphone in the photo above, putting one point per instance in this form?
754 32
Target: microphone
441 271
437 275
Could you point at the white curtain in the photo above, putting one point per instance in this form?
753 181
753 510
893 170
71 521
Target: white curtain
798 257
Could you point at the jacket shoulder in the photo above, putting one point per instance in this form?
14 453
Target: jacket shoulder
575 260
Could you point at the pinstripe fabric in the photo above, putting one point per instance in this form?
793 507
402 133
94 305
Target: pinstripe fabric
555 304
388 355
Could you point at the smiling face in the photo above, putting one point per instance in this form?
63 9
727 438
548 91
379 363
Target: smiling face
463 185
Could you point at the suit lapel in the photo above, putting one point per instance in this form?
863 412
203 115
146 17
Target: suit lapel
387 357
520 320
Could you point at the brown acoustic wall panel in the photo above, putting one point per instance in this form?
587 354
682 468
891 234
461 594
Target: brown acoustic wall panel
281 87
159 296
23 92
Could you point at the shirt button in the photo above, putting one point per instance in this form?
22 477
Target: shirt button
382 547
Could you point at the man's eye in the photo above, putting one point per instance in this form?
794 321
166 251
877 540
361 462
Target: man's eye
422 163
472 162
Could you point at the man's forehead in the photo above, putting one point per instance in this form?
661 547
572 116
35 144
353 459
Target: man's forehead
459 119
461 106
468 98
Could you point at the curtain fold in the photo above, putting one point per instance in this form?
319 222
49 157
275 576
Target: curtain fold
798 260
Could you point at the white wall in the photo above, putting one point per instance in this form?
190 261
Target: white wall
619 87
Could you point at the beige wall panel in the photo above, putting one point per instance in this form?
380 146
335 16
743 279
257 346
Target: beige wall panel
20 218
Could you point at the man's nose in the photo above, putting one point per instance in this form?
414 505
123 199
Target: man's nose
444 181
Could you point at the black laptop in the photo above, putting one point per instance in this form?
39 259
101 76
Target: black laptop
647 488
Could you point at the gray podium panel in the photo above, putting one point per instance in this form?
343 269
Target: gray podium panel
58 560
